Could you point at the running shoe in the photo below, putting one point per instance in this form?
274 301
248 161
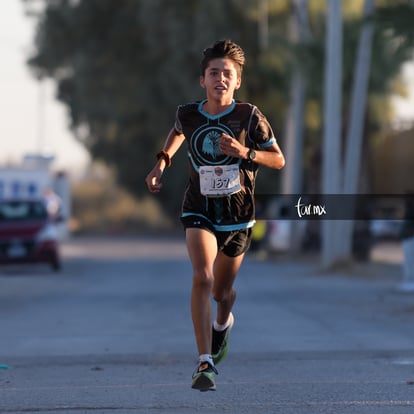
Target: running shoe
203 377
220 342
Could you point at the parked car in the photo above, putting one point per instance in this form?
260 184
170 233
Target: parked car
27 233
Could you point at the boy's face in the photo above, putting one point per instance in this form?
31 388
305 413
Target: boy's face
221 79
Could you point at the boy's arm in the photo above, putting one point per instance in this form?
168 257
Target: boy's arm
172 144
271 157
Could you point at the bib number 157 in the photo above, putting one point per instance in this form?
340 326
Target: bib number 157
219 181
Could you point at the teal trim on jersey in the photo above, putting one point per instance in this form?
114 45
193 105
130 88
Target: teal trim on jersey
192 161
200 109
268 143
226 227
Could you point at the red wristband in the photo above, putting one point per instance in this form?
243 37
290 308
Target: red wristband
164 154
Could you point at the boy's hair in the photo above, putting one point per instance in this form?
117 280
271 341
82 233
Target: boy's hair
223 49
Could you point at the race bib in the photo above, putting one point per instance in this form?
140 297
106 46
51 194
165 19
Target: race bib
219 180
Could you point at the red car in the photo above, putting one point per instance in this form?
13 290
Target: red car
27 234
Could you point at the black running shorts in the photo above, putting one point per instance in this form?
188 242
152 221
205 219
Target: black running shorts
231 243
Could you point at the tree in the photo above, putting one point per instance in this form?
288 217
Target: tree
339 247
121 68
391 48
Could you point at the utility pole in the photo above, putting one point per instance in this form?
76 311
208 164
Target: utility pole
357 110
299 33
332 124
292 175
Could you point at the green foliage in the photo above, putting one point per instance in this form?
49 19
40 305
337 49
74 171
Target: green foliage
392 46
123 66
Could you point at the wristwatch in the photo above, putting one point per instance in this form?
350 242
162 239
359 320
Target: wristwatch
251 155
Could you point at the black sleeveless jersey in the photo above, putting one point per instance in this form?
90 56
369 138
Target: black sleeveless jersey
202 131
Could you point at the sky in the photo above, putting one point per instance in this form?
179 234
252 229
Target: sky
27 126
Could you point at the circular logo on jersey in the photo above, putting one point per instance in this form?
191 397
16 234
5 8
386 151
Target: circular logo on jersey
205 145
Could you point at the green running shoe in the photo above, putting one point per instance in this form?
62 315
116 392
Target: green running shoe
203 377
220 342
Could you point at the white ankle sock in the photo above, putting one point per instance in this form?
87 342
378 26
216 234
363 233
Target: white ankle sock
218 327
206 358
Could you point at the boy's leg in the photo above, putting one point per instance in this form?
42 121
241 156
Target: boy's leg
202 249
226 267
225 272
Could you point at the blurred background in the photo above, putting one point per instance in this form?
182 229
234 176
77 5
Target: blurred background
89 90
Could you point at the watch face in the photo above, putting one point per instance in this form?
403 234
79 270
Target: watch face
252 154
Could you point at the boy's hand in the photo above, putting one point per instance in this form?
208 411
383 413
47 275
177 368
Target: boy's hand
232 147
153 179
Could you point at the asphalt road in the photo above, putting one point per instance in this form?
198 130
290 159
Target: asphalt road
112 334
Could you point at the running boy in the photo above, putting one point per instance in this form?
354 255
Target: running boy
226 142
